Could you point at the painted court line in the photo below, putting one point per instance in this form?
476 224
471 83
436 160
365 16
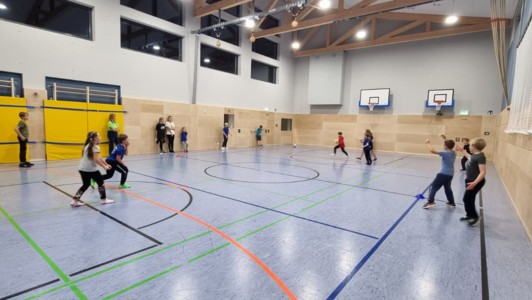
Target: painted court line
45 256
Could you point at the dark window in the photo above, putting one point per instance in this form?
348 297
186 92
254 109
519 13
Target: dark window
149 40
79 91
265 47
220 60
269 22
263 72
230 120
55 15
11 84
235 10
229 34
169 10
286 124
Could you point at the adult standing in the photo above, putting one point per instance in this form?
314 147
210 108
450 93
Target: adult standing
112 132
170 133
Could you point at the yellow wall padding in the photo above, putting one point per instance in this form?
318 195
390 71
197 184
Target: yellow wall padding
9 110
67 124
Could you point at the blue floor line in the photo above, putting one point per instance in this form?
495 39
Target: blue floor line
359 266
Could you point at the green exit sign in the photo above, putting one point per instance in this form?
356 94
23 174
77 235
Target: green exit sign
464 112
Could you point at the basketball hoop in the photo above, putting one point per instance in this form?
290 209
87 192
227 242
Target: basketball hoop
371 106
438 107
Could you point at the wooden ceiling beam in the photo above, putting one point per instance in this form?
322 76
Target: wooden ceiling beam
350 32
341 15
398 39
200 9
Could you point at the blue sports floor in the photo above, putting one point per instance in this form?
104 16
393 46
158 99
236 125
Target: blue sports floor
271 223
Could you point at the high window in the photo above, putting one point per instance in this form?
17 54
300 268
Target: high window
264 72
56 15
169 10
217 59
286 124
265 47
149 40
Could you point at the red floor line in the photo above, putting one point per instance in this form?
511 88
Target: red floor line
268 271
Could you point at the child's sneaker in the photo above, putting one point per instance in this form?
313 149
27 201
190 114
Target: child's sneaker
429 205
124 186
449 204
76 203
107 201
333 154
474 221
92 183
466 218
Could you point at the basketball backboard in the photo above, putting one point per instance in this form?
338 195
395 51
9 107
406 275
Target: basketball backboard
441 97
374 97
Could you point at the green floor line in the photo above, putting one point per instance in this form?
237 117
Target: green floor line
221 227
46 258
141 283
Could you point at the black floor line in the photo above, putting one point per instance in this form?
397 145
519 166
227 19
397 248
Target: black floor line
111 261
30 289
483 256
259 206
16 184
108 216
157 222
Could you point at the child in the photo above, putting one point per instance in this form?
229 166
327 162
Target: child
116 162
341 145
160 130
464 158
258 136
445 177
475 178
225 135
23 134
372 152
366 146
184 138
170 133
88 169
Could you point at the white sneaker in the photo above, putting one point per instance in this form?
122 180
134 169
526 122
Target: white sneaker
107 201
332 154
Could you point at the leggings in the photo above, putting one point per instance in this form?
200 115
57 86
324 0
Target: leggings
86 179
469 199
170 142
116 166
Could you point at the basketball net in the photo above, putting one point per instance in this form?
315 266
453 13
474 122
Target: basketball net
371 106
438 105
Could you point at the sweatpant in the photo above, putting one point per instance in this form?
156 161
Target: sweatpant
368 156
116 166
469 199
86 179
439 181
23 147
341 148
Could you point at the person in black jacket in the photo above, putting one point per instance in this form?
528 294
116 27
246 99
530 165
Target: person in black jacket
160 129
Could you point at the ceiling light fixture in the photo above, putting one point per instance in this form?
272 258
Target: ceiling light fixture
156 47
249 23
252 38
296 45
361 34
324 4
3 6
451 19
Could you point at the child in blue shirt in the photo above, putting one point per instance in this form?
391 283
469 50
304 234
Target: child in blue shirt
184 139
115 159
445 177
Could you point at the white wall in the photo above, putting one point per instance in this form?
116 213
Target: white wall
38 53
465 63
